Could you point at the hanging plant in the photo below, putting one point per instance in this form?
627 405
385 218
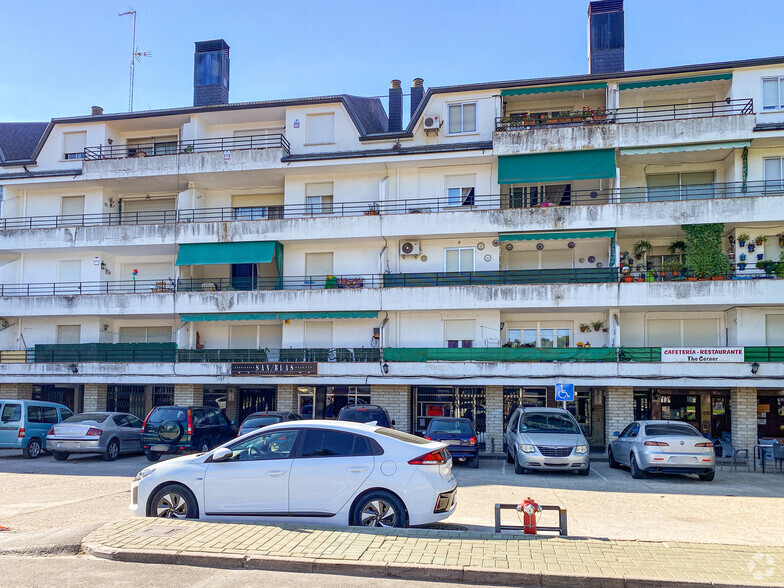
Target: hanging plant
742 238
705 255
641 247
677 247
760 239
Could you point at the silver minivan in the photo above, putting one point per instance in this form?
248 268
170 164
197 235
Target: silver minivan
546 439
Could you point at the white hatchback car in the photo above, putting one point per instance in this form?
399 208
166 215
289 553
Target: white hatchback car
334 472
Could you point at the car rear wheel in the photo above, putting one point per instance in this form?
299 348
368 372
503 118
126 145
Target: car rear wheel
611 459
518 468
33 449
112 451
174 502
60 455
637 473
153 455
379 509
474 462
709 476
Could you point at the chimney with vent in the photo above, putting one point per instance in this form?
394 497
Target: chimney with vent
96 110
395 106
605 32
211 73
417 93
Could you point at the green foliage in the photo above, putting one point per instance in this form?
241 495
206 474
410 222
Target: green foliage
705 255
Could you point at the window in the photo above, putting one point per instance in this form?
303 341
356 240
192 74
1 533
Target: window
682 332
69 334
320 129
680 186
773 93
273 445
462 118
42 414
459 259
66 414
460 190
145 334
543 195
327 443
72 209
74 144
318 264
319 197
547 336
11 413
459 333
152 146
773 172
70 271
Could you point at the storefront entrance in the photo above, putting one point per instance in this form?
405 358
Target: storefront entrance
708 411
642 405
770 416
515 396
326 401
126 399
256 400
53 393
462 401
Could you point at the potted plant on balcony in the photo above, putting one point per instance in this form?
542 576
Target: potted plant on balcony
742 238
760 239
781 240
598 326
372 210
704 251
673 268
585 328
641 247
677 247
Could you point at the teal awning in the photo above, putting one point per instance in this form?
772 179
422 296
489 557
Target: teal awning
674 81
226 253
684 148
548 89
563 166
278 316
610 234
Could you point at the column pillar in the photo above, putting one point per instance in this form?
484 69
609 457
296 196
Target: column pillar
743 414
189 394
618 409
13 391
286 398
94 397
395 399
232 409
494 418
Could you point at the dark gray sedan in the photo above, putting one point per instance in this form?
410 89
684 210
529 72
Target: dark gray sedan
665 447
107 433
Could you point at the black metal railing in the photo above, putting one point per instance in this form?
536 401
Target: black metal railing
636 114
591 275
269 141
514 200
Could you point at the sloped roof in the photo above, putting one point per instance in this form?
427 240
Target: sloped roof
18 140
369 113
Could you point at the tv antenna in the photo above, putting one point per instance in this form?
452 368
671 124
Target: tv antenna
136 55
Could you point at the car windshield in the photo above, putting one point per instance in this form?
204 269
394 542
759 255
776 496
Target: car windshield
159 415
257 422
671 430
87 417
363 415
547 422
443 427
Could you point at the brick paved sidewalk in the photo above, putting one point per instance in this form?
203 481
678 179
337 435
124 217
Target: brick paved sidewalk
482 558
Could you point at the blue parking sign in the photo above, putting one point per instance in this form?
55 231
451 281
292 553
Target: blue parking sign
564 392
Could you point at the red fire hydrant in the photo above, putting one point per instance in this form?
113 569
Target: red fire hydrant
530 509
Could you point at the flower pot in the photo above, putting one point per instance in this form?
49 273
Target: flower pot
576 119
527 123
604 330
751 247
741 266
628 278
690 279
741 243
760 256
640 279
674 274
758 241
743 257
717 277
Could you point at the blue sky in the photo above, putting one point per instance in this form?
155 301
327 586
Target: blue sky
60 58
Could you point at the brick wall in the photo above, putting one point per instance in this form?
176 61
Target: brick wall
12 391
494 417
397 400
286 398
188 394
618 410
94 397
743 413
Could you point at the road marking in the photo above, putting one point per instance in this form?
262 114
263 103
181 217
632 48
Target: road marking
598 474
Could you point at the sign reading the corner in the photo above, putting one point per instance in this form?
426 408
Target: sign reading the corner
702 354
275 368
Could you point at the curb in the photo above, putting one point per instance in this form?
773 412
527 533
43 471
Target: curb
456 574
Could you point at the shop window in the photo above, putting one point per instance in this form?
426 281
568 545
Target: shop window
679 407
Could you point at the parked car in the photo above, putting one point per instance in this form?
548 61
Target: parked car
459 436
366 413
24 424
262 419
667 447
546 439
312 471
107 433
183 429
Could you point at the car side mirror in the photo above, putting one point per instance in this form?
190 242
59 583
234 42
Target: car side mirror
231 422
393 422
616 434
222 454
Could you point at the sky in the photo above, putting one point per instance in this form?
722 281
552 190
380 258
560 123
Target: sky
60 58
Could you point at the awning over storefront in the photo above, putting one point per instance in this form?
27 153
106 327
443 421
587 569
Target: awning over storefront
685 148
563 166
278 316
228 253
609 234
674 81
548 89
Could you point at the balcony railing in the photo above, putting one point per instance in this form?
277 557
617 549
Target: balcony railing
600 116
405 206
599 275
271 141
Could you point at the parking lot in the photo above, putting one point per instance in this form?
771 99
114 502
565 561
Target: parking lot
737 507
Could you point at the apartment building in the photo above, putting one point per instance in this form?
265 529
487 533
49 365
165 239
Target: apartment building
617 230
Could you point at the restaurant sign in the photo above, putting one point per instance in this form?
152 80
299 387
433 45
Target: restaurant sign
702 354
275 368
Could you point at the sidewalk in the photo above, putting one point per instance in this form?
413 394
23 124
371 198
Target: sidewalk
437 555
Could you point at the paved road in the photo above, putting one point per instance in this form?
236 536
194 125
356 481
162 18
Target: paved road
736 508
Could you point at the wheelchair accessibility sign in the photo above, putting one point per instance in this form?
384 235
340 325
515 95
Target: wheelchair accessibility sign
564 392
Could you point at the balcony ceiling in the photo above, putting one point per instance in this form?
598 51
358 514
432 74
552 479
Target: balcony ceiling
150 123
251 115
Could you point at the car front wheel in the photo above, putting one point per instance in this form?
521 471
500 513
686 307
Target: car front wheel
518 468
379 509
611 459
585 472
174 502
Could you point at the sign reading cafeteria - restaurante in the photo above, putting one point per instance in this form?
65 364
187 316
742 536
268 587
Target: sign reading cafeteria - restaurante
702 354
275 368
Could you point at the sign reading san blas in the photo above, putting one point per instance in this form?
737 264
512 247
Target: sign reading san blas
275 368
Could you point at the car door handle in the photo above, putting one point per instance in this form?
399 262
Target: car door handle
277 473
356 470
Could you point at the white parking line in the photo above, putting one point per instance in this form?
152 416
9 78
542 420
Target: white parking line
593 471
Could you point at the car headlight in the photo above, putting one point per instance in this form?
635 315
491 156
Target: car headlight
527 448
143 474
581 449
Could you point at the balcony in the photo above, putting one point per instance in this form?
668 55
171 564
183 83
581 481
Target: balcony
271 141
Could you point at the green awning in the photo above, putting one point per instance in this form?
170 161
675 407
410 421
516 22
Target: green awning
610 234
278 316
548 89
674 81
685 148
563 166
226 253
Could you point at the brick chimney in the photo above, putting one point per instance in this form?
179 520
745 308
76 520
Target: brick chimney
96 110
606 38
211 73
395 106
417 93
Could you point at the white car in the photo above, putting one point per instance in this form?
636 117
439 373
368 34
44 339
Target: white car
333 472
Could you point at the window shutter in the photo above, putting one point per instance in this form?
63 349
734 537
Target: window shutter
70 271
318 264
772 170
242 337
133 334
774 329
459 330
456 118
74 142
318 334
664 333
321 128
323 189
69 334
700 332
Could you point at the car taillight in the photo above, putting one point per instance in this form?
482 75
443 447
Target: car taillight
472 441
144 424
432 458
704 445
21 433
190 422
656 444
51 432
93 432
428 438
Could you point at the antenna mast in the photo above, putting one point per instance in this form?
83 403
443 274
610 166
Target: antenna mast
135 55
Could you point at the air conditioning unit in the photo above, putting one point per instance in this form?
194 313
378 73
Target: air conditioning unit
432 122
409 248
